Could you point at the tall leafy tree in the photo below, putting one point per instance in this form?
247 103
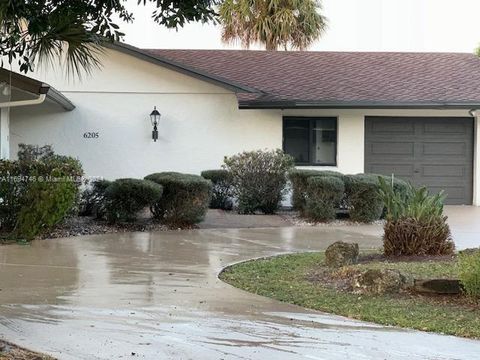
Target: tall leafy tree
287 24
75 30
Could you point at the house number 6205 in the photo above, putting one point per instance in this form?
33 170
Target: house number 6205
91 135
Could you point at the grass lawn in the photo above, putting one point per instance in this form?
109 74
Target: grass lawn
285 278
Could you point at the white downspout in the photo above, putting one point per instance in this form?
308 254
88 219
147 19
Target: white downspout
5 121
5 133
41 98
476 156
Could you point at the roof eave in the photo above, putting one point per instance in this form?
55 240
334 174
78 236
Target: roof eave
356 105
176 66
35 87
57 97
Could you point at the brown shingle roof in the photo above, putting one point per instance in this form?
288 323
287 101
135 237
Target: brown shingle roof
350 79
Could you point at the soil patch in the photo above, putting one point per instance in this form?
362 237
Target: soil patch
9 351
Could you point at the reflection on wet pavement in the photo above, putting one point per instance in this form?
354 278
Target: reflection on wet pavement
157 296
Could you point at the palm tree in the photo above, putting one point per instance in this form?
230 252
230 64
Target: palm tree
287 24
75 31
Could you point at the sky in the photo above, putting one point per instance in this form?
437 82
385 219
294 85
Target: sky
353 25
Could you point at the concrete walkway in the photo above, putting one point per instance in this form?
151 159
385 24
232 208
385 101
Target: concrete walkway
219 219
157 296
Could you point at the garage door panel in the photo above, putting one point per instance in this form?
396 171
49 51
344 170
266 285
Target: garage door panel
398 126
453 193
400 170
392 148
444 148
456 171
445 126
435 152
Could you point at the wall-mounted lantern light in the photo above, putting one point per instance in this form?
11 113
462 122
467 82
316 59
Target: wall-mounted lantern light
155 119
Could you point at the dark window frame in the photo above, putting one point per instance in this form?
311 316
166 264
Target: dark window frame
311 121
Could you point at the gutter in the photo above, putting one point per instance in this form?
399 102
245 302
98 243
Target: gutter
9 104
352 105
44 92
42 96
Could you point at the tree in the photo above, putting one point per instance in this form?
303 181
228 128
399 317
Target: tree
32 31
293 24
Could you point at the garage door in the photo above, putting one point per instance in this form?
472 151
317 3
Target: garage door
436 152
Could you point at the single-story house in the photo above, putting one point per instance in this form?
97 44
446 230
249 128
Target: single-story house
408 114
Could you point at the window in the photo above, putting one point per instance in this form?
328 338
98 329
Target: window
311 141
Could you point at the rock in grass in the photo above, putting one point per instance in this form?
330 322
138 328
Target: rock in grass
438 286
378 281
340 254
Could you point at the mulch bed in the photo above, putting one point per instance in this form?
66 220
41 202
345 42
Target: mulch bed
84 225
9 351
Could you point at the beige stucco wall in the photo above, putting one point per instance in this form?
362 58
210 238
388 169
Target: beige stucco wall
200 124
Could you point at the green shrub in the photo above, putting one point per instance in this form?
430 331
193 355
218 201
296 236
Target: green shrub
469 272
324 194
222 191
92 200
126 197
415 224
31 187
46 204
364 200
185 198
30 153
400 186
259 178
12 190
299 181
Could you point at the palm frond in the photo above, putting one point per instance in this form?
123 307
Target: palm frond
290 24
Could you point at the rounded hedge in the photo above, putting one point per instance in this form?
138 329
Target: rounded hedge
92 200
299 181
124 198
364 199
323 197
185 198
222 191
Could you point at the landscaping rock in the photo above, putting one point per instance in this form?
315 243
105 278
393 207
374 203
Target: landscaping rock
340 254
438 286
378 281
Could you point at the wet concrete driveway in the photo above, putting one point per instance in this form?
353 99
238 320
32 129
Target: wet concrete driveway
157 296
